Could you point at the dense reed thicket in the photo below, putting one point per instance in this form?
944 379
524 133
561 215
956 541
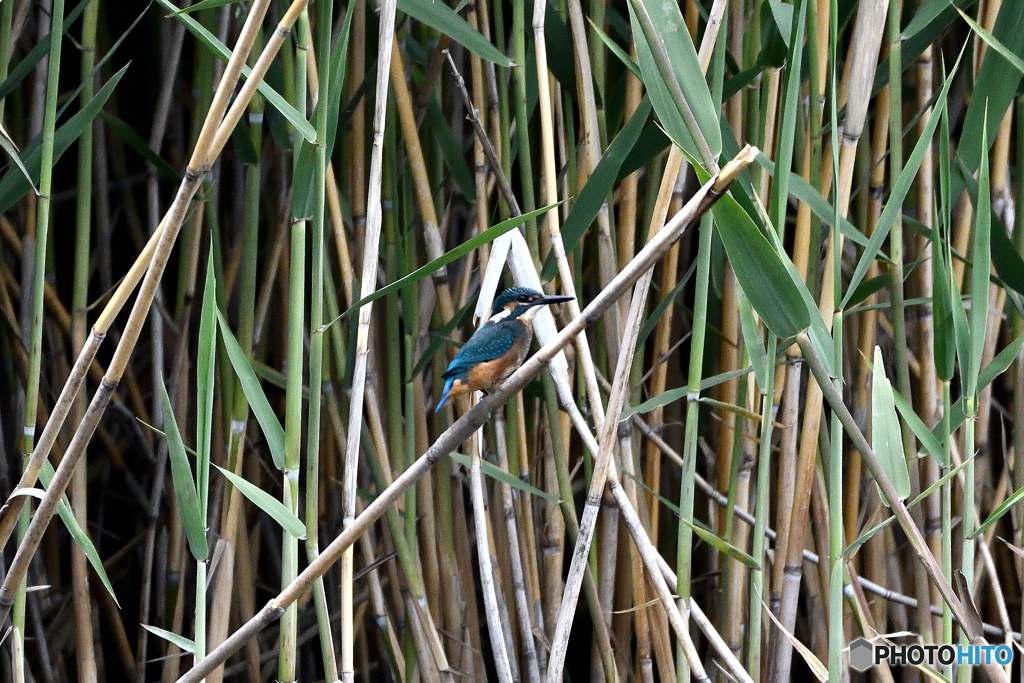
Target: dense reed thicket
241 241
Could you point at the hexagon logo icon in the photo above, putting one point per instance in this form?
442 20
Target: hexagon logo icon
862 655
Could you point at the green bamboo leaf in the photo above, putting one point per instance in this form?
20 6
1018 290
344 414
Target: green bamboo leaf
203 4
218 48
931 444
866 536
866 289
38 51
900 189
997 45
443 18
453 153
486 236
944 352
793 18
77 532
980 274
721 545
998 366
15 154
136 142
336 82
495 472
994 89
595 193
14 185
776 26
269 423
997 514
623 56
673 395
757 264
863 538
930 10
752 340
205 367
675 37
184 485
819 206
885 432
266 502
183 643
652 320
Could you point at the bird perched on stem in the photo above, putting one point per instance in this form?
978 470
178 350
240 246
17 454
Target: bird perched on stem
500 346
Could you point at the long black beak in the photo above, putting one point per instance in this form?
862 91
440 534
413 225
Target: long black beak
544 301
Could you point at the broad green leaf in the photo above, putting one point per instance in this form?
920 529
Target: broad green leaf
721 545
760 271
184 485
994 89
752 340
930 10
266 502
183 643
14 185
271 426
205 365
686 71
77 532
886 439
932 445
495 472
776 26
297 120
599 186
980 274
486 236
441 17
901 188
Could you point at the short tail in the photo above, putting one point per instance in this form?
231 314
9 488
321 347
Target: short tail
444 394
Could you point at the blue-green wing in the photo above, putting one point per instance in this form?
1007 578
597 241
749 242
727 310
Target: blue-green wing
487 343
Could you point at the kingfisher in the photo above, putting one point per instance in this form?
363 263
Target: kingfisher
494 351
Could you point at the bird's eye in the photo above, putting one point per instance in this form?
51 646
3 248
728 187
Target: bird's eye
525 298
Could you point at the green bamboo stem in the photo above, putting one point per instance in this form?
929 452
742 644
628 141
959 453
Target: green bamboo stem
38 238
325 12
84 650
287 639
686 492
